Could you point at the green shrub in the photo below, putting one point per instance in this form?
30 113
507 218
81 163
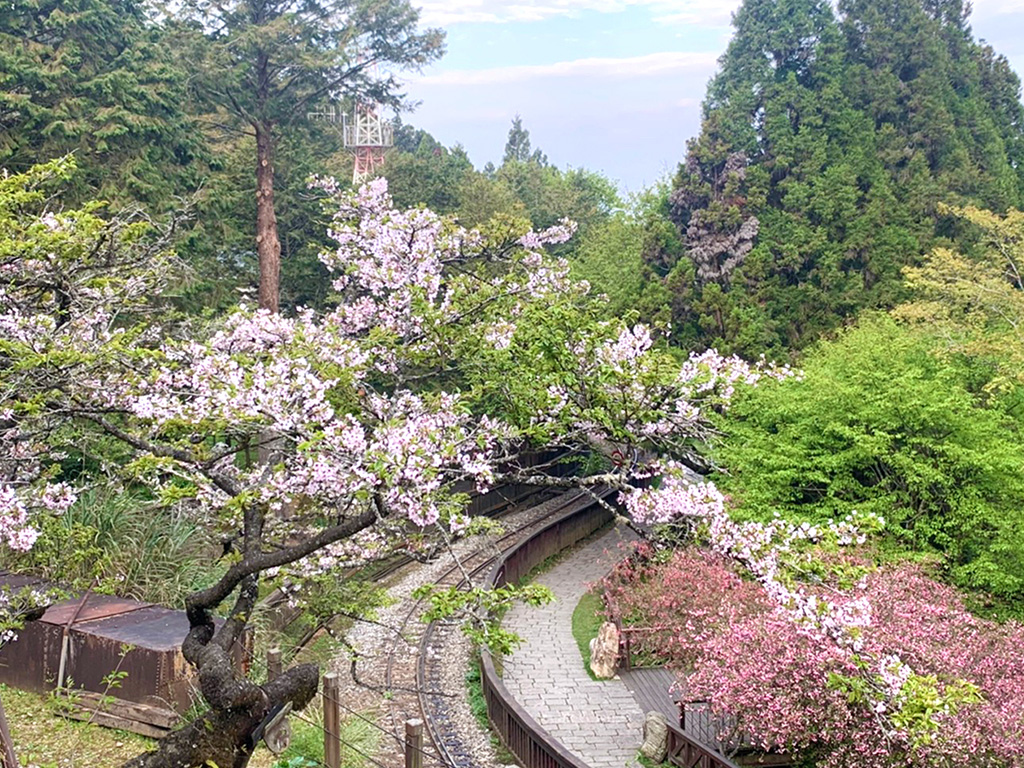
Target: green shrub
124 545
881 423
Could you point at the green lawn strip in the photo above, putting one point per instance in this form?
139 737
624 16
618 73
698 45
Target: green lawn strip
360 741
587 618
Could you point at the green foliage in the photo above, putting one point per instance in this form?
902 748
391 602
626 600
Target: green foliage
550 195
97 544
478 706
483 609
879 423
827 144
610 255
358 738
95 77
423 172
517 148
974 304
475 695
325 596
924 701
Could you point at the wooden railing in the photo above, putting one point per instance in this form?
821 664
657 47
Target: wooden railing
685 752
627 643
523 736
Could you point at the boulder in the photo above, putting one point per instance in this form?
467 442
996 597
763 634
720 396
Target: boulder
604 651
655 746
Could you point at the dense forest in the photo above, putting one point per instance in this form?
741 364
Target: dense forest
831 139
213 342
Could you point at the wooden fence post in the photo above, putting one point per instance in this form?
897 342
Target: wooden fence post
274 665
413 744
332 720
7 757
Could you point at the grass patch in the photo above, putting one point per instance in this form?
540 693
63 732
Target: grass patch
358 739
44 738
587 619
478 706
475 691
646 762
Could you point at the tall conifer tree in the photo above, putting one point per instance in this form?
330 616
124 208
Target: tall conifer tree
94 77
826 146
264 64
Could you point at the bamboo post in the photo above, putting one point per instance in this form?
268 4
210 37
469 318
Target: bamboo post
413 744
274 665
332 720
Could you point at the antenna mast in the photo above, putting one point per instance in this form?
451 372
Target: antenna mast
368 136
365 133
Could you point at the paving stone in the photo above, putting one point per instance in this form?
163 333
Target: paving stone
599 721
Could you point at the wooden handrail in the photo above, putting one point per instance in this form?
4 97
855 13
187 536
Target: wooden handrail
522 735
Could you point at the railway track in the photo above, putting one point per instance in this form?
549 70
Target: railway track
446 735
399 671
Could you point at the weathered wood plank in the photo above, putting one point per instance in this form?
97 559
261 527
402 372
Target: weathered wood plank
651 689
121 723
88 703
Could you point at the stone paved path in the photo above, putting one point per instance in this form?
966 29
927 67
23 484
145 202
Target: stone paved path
599 721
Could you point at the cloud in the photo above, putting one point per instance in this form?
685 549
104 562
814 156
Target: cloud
986 8
637 66
448 12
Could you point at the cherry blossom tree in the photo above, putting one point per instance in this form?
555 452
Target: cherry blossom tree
833 658
448 351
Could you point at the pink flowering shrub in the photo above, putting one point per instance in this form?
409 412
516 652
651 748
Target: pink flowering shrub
792 692
678 606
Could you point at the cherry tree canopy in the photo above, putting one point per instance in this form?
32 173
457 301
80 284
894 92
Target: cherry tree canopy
448 351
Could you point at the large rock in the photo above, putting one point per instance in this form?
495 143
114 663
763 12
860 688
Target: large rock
655 746
604 651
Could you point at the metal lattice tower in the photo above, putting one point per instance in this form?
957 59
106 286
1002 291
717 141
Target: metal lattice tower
368 136
365 133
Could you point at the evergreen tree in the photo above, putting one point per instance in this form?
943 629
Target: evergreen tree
261 65
826 146
517 147
422 171
94 77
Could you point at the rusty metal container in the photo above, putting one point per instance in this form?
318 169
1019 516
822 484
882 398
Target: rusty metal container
105 635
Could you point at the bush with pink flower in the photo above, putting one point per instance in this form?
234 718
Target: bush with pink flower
929 684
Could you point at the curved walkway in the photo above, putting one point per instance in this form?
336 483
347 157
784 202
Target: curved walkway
599 721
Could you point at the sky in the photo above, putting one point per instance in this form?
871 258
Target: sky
609 85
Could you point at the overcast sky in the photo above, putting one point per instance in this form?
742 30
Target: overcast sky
610 85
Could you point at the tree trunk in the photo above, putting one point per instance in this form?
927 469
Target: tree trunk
223 737
227 734
268 246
